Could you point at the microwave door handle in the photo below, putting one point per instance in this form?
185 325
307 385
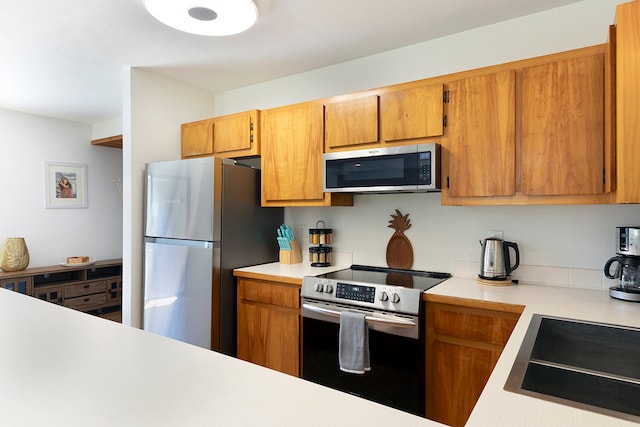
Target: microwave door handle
396 322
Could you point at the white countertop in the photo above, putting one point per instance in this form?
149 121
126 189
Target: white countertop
60 367
497 407
292 271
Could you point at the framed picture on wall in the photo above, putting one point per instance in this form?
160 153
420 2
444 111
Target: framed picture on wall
65 185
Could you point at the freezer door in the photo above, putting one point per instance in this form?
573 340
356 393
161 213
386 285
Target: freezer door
177 290
180 199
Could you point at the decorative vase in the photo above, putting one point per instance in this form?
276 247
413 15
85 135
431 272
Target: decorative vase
14 255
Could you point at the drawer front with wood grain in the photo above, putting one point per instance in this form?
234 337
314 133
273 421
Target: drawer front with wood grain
87 288
473 324
88 302
269 293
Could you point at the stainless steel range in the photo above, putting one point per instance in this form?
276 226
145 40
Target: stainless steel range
391 303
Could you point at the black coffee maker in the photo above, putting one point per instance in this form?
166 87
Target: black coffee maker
627 265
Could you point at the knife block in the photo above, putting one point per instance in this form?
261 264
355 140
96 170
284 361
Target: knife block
294 256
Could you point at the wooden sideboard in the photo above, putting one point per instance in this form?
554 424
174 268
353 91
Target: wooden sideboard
95 288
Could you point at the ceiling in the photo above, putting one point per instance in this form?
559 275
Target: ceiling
67 59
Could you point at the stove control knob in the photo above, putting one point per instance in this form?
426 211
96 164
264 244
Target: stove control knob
328 288
319 287
383 296
395 298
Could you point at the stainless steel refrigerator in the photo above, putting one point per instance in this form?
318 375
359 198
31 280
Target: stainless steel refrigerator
202 219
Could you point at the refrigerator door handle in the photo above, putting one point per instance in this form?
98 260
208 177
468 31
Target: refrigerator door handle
180 242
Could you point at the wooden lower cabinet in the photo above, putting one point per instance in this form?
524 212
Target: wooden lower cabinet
269 324
464 340
95 289
23 285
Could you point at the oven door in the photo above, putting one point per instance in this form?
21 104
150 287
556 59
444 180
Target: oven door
396 349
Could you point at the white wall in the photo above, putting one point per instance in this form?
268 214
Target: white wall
54 234
154 108
106 129
566 236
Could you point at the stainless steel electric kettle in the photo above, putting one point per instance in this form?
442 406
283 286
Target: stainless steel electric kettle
495 261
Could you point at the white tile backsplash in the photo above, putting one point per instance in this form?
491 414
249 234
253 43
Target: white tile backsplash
543 275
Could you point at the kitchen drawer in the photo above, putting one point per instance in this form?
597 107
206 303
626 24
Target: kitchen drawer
86 288
272 293
487 326
88 302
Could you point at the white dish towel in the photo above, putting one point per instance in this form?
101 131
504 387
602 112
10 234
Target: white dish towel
353 345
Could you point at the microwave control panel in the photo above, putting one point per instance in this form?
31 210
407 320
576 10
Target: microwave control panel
424 168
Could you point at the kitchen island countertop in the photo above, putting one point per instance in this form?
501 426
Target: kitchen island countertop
61 367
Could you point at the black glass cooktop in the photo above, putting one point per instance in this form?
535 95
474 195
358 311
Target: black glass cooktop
417 279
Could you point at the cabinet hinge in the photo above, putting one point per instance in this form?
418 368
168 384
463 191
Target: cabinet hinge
251 138
445 96
444 120
251 130
251 126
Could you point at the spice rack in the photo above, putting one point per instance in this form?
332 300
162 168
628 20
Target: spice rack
320 255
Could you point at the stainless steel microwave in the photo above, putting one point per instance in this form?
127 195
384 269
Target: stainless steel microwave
409 168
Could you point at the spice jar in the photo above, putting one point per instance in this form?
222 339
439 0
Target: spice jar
314 236
324 236
314 254
324 256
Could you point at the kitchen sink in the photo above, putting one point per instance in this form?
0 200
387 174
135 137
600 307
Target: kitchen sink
592 366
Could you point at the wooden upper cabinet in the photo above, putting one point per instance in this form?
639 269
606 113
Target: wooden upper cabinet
197 138
610 112
627 102
562 127
234 135
351 122
481 135
412 113
237 135
292 147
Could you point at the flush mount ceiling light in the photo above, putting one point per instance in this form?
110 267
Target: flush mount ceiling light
205 17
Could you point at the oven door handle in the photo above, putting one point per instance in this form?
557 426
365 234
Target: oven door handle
396 321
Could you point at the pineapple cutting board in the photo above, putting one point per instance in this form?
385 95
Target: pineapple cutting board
399 250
